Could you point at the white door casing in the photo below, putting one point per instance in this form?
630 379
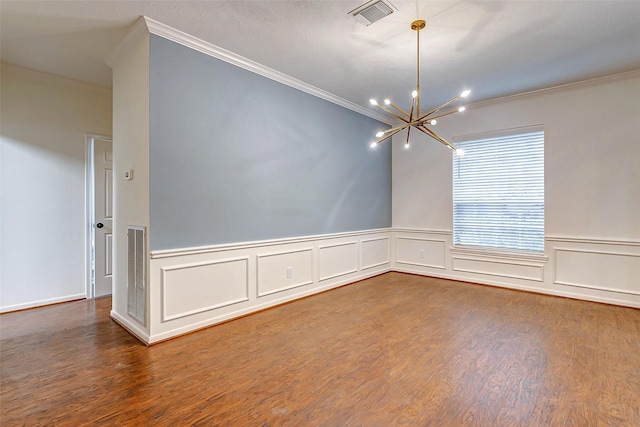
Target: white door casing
103 215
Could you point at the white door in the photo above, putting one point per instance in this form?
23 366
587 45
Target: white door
103 215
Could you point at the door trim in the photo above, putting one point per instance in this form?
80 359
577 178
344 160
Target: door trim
89 215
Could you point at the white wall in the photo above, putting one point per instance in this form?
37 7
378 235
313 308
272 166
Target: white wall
42 240
130 65
592 193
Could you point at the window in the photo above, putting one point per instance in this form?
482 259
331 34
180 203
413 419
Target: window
498 190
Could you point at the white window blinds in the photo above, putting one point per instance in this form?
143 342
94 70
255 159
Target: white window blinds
498 190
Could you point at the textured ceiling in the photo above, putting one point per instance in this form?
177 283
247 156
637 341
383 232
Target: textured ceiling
496 48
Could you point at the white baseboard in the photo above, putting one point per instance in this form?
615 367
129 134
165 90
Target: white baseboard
41 303
532 289
131 327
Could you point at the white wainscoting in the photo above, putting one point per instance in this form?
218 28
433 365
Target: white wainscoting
421 251
193 288
500 265
591 269
337 260
375 252
279 271
603 269
217 284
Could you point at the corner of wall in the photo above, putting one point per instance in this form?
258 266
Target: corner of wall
130 63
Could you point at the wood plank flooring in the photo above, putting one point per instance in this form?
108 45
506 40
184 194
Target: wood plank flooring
393 350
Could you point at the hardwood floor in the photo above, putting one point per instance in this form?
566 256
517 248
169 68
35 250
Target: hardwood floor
393 350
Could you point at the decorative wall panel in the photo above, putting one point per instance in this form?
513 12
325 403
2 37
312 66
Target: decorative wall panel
515 270
421 252
337 260
598 269
188 289
375 252
279 271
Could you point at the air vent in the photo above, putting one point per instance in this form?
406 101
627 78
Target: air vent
372 11
136 255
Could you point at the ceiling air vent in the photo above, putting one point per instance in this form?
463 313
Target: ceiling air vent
372 11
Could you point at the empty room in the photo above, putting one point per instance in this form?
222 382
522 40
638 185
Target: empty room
320 213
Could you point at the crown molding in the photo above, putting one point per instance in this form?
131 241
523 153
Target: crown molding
558 88
177 36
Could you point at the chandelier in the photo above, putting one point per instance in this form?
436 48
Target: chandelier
415 118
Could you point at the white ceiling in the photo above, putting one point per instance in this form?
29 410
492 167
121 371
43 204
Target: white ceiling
496 48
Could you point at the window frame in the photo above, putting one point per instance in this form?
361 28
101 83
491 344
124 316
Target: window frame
511 253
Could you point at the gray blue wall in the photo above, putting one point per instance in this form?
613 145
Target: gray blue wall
237 157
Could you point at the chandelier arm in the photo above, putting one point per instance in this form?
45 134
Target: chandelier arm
388 136
408 133
424 116
399 109
413 103
399 128
394 114
427 119
435 136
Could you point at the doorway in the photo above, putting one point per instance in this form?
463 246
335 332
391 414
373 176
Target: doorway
100 215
